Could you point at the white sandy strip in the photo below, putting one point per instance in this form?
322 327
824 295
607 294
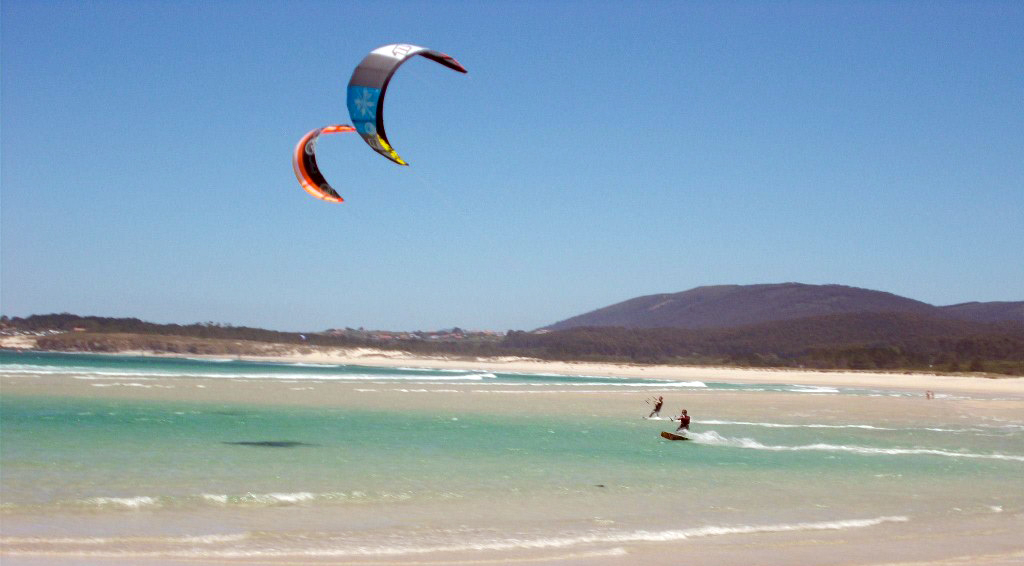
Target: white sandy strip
895 380
866 379
18 342
910 381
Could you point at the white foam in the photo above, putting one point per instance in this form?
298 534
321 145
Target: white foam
126 502
273 498
132 384
607 380
503 544
441 370
791 425
210 539
84 373
697 384
553 391
813 389
88 541
284 498
248 499
215 498
713 438
569 541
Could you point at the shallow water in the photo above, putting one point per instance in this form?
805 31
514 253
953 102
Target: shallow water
395 463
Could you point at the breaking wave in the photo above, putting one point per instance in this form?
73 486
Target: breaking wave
282 371
341 545
272 499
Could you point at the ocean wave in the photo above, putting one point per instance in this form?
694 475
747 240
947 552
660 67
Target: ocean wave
625 385
94 541
814 425
237 373
279 498
439 370
271 499
697 384
293 371
550 391
132 384
344 546
590 538
1010 426
812 389
791 425
715 439
124 502
566 375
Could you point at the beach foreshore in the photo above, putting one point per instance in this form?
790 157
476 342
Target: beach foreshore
902 380
375 357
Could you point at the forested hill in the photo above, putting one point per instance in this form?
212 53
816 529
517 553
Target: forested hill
729 306
866 340
996 311
853 341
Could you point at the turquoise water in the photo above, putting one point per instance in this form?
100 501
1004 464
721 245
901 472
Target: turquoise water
193 478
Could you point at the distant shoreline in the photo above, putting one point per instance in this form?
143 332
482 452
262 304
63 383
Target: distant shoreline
287 353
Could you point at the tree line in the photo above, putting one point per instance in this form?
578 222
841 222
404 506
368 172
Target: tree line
862 341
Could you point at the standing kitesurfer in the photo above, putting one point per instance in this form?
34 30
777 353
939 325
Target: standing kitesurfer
657 407
684 422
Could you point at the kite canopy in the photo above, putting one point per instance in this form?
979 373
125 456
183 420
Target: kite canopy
369 83
306 169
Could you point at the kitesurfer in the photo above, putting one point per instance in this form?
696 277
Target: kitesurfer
657 407
684 422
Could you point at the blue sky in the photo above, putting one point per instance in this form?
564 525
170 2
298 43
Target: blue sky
596 151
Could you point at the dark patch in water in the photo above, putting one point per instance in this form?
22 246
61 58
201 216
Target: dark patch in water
270 443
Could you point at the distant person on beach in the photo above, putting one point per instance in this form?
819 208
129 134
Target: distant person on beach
657 407
684 422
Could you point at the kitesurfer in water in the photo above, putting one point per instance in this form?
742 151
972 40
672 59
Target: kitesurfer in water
657 407
684 422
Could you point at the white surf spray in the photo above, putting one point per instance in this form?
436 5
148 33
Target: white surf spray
715 439
793 425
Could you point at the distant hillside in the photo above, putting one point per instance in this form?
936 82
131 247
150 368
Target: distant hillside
997 311
729 306
859 340
865 340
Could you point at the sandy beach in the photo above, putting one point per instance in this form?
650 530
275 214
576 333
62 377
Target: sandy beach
894 380
912 381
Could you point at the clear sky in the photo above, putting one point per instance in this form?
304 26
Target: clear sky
595 152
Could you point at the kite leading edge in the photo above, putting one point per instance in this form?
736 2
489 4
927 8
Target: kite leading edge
369 83
306 169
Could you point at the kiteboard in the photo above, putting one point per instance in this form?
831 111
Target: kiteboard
673 436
